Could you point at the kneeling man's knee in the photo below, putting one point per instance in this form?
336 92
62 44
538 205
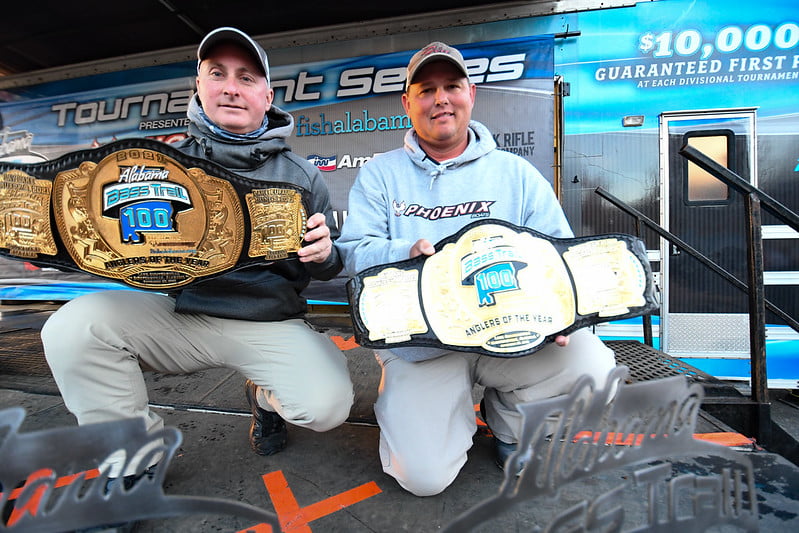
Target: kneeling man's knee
426 479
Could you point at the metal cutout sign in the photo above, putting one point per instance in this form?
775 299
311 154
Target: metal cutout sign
642 430
62 477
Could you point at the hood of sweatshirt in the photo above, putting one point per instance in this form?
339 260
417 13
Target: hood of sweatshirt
480 143
241 154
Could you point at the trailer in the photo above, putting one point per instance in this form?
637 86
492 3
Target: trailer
598 95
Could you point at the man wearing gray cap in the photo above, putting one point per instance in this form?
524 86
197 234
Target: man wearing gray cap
425 408
249 320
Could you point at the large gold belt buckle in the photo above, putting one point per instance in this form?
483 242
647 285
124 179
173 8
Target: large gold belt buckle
499 289
145 214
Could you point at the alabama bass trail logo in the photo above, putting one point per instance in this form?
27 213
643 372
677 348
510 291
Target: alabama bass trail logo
491 270
139 216
144 201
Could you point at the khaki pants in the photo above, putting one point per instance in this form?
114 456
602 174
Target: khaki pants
426 412
96 346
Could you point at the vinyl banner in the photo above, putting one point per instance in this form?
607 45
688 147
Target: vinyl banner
345 110
682 54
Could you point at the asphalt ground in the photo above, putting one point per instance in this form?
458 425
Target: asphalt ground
333 481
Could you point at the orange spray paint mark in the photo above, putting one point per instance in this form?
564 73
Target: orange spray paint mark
295 518
63 481
344 344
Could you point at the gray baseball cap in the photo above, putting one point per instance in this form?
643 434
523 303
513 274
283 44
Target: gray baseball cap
237 36
435 51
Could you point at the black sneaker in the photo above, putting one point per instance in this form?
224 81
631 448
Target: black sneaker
268 434
503 451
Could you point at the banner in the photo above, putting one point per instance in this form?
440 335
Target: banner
674 55
345 110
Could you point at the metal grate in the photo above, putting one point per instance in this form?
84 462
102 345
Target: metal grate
647 363
21 353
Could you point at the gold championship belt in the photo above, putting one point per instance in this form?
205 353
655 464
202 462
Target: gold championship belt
498 289
143 213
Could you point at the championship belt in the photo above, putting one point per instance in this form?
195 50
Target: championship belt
143 213
502 290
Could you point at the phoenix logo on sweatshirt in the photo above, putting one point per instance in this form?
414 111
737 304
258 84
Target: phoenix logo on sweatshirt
478 208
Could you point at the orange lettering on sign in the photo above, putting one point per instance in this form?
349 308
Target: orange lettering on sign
629 439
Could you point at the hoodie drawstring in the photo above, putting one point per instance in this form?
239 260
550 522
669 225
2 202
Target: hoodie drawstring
437 172
207 150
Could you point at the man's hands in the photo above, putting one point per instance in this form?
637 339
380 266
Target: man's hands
425 247
318 235
421 247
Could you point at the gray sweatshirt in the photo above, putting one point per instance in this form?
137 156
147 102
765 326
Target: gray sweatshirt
402 196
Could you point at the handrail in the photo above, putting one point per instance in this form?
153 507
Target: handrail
673 239
741 185
754 199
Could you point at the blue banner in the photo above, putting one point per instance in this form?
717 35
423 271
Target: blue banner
681 54
158 108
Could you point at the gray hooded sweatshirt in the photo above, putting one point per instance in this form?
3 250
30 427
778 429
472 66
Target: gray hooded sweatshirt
402 196
272 291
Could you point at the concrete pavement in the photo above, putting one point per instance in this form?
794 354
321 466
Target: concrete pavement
333 481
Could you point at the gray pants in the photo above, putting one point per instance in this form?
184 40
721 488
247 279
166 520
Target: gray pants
97 345
426 412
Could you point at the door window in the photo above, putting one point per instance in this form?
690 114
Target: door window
701 187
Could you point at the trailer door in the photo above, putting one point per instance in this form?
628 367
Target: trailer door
702 314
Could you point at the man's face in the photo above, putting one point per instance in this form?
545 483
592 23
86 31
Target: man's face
439 103
233 90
